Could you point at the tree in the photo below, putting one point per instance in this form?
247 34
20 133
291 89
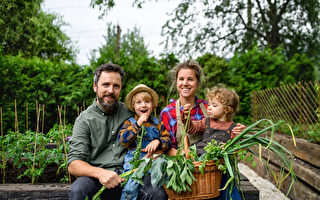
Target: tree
134 57
26 29
257 70
228 26
28 80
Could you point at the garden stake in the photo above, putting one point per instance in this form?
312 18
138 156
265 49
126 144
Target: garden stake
58 142
64 116
43 106
36 109
35 144
16 127
63 140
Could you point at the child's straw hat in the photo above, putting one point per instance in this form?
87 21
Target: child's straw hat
141 88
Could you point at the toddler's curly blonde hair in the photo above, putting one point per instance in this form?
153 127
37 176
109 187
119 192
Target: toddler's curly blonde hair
228 98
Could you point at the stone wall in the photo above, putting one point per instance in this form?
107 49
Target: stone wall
306 166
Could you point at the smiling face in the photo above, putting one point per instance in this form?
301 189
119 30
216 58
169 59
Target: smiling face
216 110
142 103
108 90
187 83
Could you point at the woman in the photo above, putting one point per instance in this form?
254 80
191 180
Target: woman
187 78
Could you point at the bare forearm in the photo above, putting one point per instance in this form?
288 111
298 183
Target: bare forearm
81 168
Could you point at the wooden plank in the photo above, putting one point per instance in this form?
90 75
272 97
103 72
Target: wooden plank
250 192
304 150
303 170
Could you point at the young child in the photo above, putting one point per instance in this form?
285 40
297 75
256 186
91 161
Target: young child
222 106
141 100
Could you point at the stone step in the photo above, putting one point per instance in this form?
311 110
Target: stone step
54 191
59 191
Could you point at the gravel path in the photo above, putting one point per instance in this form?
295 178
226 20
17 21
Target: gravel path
267 190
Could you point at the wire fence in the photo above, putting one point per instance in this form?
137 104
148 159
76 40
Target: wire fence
297 104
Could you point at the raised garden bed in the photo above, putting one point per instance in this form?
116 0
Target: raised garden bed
306 166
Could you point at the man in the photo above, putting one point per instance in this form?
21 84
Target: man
96 155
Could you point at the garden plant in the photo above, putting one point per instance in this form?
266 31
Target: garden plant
30 154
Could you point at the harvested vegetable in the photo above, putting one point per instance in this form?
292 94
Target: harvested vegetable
175 172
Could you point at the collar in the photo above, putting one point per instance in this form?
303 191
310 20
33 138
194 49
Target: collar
197 100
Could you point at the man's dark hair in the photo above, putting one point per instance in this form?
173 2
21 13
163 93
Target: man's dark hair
108 67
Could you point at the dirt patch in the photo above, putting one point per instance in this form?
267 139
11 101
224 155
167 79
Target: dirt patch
50 175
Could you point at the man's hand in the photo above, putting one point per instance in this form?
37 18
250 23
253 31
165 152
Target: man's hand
110 179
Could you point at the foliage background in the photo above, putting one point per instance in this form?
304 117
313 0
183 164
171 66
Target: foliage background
38 65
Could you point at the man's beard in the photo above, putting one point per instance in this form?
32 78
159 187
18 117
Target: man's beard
108 107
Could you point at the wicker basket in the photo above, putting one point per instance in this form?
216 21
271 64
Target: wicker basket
207 185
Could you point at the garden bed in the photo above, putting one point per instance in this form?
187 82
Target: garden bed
306 166
50 175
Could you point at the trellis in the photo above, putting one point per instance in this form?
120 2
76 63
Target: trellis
297 104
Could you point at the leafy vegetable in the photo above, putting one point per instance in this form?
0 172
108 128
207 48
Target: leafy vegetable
176 172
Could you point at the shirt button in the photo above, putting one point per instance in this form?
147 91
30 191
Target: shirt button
112 132
113 145
102 114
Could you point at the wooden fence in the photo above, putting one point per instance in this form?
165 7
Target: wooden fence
297 104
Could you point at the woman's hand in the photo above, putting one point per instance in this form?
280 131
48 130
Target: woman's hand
185 111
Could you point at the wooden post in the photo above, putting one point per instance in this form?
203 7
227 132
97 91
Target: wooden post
43 106
16 123
64 116
63 138
118 42
1 121
36 111
300 107
58 142
35 144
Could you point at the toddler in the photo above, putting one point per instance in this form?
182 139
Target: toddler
141 100
222 106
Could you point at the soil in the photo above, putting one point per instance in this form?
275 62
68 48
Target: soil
50 175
